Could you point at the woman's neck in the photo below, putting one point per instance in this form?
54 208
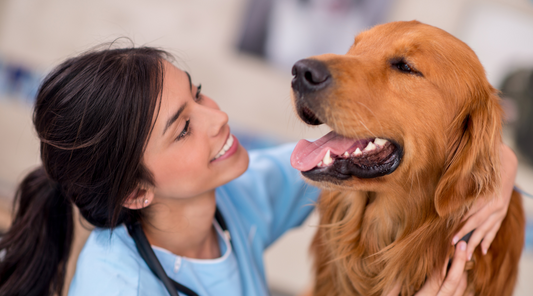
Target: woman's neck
183 226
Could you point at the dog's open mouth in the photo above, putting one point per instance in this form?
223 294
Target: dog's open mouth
334 156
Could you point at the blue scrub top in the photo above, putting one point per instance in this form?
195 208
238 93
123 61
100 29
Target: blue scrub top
258 207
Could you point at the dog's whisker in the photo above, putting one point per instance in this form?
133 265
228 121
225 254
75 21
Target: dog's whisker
373 114
358 117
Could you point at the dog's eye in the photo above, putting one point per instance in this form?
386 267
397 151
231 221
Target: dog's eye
403 67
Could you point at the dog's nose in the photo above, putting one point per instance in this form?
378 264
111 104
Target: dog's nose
309 76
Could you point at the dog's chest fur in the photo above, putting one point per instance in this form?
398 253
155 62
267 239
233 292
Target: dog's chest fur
379 244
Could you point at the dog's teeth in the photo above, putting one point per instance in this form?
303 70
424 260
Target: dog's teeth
370 147
380 142
327 158
357 152
319 164
346 154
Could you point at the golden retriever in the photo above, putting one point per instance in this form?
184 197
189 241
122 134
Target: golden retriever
415 140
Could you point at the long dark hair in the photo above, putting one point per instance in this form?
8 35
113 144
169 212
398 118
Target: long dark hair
94 114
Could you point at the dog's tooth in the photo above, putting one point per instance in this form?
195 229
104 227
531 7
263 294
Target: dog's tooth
357 152
327 158
380 142
319 164
370 147
346 154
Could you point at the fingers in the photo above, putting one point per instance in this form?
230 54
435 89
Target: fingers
491 224
474 221
486 223
455 282
452 283
489 237
462 285
432 285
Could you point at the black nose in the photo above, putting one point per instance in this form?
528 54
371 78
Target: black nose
309 76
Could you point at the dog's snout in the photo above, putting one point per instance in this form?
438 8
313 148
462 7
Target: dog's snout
310 75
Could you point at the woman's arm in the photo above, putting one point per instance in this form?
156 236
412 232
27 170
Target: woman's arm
486 217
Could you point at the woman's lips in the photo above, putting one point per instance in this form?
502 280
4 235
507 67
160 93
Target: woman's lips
229 148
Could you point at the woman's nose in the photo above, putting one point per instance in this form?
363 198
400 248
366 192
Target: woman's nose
217 121
221 120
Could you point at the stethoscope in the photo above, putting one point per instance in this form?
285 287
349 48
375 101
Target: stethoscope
147 253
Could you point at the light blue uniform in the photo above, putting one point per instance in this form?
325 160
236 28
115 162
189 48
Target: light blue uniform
258 207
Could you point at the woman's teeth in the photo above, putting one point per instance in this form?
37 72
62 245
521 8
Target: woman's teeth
229 143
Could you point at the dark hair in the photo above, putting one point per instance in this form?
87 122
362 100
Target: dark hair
94 114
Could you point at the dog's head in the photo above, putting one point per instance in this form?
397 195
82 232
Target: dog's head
408 105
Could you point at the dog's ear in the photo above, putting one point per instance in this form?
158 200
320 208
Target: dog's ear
473 154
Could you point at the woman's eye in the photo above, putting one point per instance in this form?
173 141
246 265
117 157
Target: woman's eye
185 131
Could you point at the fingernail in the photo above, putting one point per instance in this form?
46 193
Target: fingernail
469 256
484 251
455 239
462 246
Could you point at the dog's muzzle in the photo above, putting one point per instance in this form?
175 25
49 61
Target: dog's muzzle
310 77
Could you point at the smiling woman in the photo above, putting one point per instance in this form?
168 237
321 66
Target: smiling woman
130 140
188 135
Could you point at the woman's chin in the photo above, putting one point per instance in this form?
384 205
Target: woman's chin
235 165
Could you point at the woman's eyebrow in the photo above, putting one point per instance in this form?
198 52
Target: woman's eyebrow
175 117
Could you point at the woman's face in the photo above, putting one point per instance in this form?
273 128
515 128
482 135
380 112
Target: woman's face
190 150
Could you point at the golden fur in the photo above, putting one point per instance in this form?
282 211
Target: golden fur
398 228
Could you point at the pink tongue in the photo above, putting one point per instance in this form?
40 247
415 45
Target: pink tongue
307 155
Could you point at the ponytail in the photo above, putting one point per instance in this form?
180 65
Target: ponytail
35 250
93 115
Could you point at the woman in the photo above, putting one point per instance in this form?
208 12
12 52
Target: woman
128 139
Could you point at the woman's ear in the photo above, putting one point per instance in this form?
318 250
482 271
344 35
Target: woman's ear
139 198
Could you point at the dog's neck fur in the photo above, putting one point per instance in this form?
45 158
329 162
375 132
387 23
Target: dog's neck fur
395 242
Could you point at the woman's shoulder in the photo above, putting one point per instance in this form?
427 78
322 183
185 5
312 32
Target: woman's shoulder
107 265
107 244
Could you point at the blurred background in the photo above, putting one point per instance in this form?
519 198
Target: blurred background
242 52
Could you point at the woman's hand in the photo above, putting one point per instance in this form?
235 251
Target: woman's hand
486 217
441 284
455 282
